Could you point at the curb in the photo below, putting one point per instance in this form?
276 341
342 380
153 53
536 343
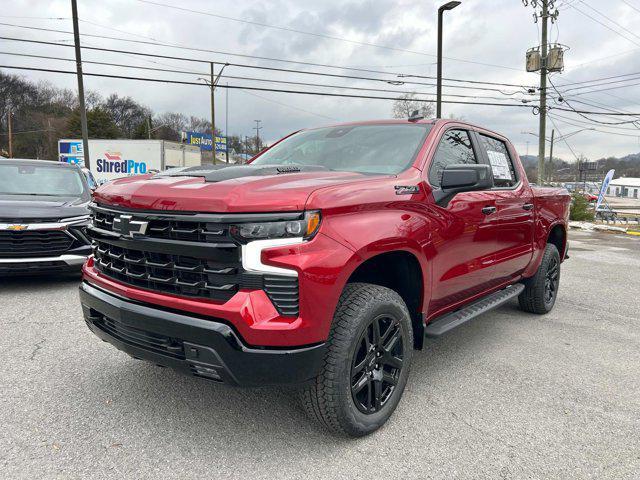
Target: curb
590 227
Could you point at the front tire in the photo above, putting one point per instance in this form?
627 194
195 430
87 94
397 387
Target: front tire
367 362
541 290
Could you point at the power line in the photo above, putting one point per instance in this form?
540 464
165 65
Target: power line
253 94
241 87
254 57
27 131
318 35
563 139
257 67
609 19
632 74
581 122
604 25
583 113
630 5
232 77
595 129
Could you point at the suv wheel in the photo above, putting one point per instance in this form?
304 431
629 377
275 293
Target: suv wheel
366 364
541 290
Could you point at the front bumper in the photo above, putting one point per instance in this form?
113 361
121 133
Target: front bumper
34 265
202 347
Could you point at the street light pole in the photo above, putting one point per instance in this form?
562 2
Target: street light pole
441 10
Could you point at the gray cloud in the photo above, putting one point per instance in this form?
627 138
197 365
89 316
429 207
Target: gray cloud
496 32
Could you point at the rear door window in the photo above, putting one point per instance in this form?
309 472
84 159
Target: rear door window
504 173
454 148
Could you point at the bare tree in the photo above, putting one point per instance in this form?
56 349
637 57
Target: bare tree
126 113
406 104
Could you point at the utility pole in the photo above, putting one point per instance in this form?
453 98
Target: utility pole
545 60
258 128
441 10
83 110
553 133
226 120
9 125
149 126
213 114
542 134
213 82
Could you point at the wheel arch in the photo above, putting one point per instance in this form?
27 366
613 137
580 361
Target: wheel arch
558 237
401 271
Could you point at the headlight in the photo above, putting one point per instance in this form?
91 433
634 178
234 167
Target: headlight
303 228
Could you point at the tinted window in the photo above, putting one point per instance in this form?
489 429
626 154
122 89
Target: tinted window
386 149
32 179
504 175
454 148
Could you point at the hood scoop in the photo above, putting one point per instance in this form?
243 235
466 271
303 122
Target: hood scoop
220 173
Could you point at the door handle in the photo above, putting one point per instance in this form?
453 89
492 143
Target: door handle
528 206
489 210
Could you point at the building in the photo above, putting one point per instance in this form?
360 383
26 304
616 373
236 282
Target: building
624 187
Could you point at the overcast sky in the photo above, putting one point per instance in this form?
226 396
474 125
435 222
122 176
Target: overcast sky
484 40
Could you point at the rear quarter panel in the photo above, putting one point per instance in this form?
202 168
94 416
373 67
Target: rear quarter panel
552 208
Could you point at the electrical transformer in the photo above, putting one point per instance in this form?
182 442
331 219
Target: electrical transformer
534 60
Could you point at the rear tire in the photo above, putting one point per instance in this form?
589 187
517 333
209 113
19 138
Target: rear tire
541 290
367 362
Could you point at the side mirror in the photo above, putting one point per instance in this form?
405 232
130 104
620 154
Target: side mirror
466 178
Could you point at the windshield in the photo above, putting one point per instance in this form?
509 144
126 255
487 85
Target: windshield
383 149
27 179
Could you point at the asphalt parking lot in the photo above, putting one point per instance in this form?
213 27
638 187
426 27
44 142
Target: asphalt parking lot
510 395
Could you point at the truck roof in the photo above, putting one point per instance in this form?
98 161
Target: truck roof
430 121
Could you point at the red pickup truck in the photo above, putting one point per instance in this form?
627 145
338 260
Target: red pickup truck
325 262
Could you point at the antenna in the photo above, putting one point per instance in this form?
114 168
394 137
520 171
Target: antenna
415 116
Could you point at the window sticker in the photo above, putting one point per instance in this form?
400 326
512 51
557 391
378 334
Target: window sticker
499 165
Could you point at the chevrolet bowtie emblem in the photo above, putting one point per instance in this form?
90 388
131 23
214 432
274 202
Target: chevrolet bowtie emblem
125 225
17 228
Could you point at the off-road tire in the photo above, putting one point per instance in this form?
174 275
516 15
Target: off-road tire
328 397
534 298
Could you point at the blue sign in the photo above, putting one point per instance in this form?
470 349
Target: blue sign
203 140
71 152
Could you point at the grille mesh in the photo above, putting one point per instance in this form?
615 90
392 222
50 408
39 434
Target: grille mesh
33 243
186 273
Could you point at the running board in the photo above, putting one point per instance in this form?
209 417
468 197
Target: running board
451 320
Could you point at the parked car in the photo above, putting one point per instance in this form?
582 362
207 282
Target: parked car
325 262
43 217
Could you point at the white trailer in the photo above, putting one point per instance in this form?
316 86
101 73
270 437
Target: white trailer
111 159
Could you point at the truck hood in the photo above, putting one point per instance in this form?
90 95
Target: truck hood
25 207
239 189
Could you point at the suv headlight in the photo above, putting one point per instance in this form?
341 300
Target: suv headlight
304 228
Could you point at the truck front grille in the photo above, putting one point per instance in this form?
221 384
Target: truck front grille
177 274
171 229
33 243
188 255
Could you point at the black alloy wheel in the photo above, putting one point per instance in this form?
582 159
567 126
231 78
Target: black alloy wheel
551 281
377 364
